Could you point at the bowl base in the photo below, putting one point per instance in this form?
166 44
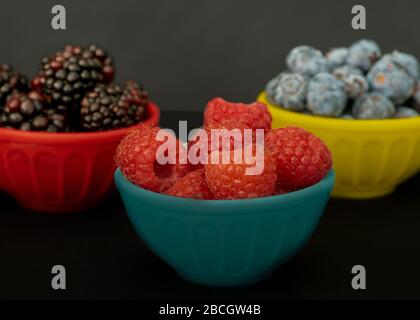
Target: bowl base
61 208
374 192
225 281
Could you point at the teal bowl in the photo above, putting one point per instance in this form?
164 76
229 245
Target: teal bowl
225 242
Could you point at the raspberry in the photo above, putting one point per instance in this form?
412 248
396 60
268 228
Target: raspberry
220 112
228 179
138 160
301 158
229 139
278 191
193 185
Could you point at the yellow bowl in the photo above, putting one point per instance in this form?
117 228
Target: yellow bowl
371 157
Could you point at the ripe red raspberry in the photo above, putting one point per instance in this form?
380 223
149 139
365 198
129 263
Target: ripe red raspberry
301 158
138 160
278 191
230 136
254 115
231 181
193 185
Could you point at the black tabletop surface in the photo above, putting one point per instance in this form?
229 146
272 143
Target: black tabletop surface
105 259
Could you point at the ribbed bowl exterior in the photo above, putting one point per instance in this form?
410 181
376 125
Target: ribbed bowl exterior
60 172
225 242
371 157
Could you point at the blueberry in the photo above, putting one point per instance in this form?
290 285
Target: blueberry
344 71
337 57
406 61
363 54
356 85
373 105
306 60
416 96
289 90
353 79
405 112
391 80
347 116
270 88
326 95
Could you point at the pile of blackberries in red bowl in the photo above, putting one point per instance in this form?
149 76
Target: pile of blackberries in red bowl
59 131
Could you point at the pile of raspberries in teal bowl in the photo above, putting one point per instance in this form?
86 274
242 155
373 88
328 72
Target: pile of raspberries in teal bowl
213 222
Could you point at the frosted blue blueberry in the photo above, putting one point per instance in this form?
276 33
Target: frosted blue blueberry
344 71
269 88
289 90
373 105
326 95
363 54
347 116
306 60
391 80
356 85
353 79
406 61
405 112
337 57
416 96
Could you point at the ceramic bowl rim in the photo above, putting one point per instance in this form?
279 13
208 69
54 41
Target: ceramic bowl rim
124 185
338 124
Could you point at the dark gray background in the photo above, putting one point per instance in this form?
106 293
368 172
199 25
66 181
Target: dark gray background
188 51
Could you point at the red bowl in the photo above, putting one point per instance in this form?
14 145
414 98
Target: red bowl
61 172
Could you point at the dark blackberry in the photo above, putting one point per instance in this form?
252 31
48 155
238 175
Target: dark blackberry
66 76
112 107
30 112
10 81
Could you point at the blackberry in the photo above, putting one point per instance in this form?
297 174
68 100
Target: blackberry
30 112
10 81
110 107
66 76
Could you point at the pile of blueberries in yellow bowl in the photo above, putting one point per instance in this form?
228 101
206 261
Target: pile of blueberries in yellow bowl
364 104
